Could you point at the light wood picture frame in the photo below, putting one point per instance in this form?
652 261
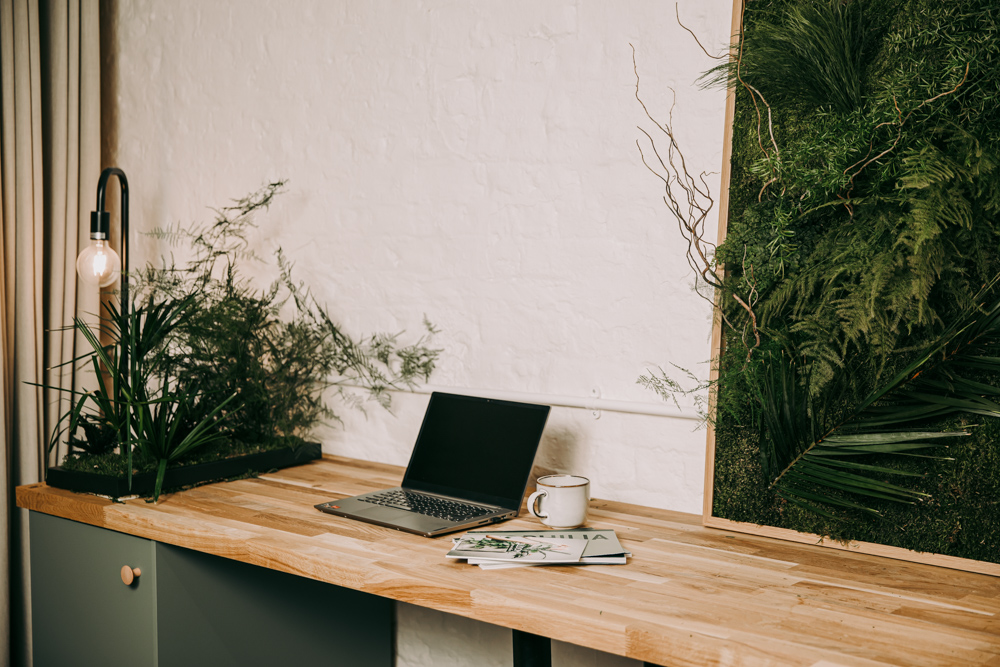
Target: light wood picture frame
708 517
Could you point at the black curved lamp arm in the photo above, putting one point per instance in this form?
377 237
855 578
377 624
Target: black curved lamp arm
99 227
100 223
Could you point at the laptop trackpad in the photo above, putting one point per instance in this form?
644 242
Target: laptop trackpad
399 518
380 513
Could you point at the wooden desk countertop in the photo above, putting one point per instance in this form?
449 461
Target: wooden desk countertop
690 596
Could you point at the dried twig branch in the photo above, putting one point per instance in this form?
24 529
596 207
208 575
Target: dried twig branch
900 122
690 201
751 301
678 12
754 96
760 195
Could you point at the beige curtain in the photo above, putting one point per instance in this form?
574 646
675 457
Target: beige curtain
50 156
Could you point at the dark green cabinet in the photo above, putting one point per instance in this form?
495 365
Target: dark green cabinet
214 611
188 608
81 612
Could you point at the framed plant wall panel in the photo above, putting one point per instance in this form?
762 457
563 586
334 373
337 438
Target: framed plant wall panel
856 389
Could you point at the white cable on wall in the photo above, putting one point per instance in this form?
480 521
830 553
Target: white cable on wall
595 404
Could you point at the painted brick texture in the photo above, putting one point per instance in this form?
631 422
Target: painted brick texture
471 161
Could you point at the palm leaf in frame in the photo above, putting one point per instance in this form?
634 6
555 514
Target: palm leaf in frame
811 457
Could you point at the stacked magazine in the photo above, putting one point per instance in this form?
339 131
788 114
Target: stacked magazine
494 549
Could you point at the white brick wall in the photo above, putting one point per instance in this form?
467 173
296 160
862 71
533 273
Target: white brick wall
474 161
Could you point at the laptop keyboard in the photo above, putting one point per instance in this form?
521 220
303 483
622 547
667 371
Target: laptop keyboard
439 508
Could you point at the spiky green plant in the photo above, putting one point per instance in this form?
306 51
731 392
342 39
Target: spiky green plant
814 55
137 413
216 362
170 425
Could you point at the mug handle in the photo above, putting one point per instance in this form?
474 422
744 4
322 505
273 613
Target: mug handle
532 500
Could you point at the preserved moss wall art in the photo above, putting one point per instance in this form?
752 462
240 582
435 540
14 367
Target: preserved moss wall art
856 399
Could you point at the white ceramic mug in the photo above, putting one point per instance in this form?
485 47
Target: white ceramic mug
561 500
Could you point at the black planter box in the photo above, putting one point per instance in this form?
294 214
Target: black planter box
190 475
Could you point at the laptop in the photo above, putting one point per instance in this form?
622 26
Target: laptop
469 467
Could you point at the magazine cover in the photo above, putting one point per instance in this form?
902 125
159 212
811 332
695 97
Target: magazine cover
489 546
599 542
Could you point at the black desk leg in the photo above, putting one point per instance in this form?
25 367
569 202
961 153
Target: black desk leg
531 650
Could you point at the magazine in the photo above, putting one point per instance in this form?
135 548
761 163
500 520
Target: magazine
599 541
503 565
495 547
601 547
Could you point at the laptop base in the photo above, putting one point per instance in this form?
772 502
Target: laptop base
404 520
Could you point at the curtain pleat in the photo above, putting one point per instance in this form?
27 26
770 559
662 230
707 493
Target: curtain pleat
22 193
50 155
73 166
6 320
59 156
83 181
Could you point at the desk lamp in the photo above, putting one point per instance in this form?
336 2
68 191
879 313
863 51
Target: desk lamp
99 266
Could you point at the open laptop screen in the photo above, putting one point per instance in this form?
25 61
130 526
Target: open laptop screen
481 449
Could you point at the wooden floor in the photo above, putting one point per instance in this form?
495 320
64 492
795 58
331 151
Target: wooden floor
690 596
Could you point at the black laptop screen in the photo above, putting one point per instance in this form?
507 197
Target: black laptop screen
476 448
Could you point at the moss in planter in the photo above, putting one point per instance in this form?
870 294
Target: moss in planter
114 465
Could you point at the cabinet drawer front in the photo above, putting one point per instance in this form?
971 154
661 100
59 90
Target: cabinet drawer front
80 606
214 611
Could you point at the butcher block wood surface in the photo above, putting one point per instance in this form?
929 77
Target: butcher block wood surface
690 595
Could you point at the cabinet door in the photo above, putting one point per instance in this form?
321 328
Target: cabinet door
215 611
81 612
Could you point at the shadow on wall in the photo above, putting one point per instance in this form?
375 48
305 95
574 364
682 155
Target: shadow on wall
559 452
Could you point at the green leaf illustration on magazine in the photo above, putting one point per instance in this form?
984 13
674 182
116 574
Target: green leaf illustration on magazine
491 547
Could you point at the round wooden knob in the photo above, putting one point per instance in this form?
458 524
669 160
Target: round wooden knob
130 574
